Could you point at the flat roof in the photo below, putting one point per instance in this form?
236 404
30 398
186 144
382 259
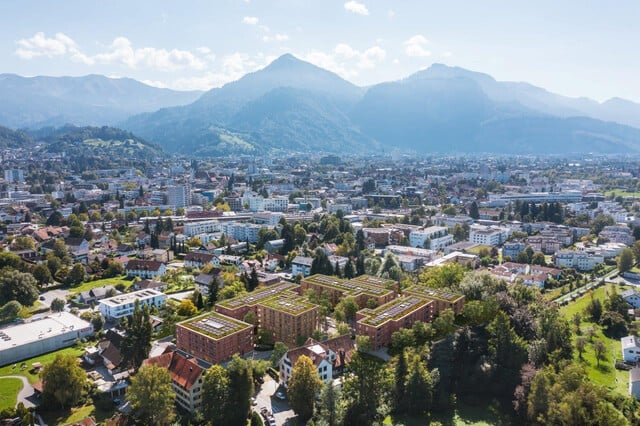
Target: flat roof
393 310
363 284
291 304
214 325
127 298
432 293
258 295
47 327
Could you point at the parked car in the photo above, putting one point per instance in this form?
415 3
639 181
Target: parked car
280 395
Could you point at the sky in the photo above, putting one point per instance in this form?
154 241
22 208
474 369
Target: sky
571 47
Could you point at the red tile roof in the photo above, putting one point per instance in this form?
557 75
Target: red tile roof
184 371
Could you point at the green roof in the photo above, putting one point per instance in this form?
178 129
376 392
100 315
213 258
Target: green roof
256 296
214 325
288 303
393 310
364 284
435 294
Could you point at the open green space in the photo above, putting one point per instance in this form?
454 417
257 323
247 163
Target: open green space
620 193
463 415
63 417
604 374
9 388
101 283
16 370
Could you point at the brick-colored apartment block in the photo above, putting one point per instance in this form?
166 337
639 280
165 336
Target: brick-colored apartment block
362 288
380 323
214 337
289 318
442 299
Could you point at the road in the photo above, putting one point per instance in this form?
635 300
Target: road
578 291
266 398
53 294
26 394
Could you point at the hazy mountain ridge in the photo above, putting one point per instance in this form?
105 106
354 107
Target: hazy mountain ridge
294 105
34 102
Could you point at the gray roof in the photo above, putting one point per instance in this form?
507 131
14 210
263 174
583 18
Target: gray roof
630 342
634 374
301 260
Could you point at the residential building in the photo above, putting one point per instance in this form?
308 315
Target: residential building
198 260
380 323
442 299
329 357
632 297
179 195
437 237
121 306
239 306
145 269
580 260
301 265
14 176
488 235
186 378
630 349
36 337
288 318
512 250
634 382
362 288
214 337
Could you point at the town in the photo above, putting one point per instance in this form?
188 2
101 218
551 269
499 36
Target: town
269 290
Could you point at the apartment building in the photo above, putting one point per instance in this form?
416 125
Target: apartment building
288 318
362 288
122 305
442 299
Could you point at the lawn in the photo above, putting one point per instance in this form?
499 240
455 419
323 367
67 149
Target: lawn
9 370
103 282
9 389
621 193
63 417
464 415
605 374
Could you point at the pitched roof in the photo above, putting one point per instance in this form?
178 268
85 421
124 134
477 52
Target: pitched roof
185 372
630 342
147 265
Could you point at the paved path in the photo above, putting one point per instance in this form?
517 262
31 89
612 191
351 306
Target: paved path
581 290
26 393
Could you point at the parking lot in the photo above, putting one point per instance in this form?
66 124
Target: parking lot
266 397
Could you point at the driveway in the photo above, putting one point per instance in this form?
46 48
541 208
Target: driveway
26 394
53 294
266 398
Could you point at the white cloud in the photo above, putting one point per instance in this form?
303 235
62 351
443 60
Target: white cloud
275 37
155 83
39 45
367 59
119 52
391 14
250 20
346 61
355 7
415 46
447 54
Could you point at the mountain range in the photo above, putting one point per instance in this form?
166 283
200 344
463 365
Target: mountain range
292 105
33 102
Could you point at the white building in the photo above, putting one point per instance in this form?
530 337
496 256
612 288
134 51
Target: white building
179 195
488 235
630 348
33 338
276 204
13 176
301 265
438 236
582 261
122 305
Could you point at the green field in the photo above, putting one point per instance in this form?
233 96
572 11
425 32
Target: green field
9 388
100 283
605 374
10 370
63 417
464 415
620 193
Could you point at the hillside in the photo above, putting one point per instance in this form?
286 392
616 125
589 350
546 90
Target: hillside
14 138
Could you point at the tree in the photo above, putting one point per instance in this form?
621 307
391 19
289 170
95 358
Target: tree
625 261
240 390
473 210
42 274
77 274
444 323
213 292
364 391
151 395
215 390
419 388
63 380
303 386
594 309
9 311
600 351
400 379
508 350
349 306
581 344
187 308
321 263
57 305
18 286
614 325
538 259
137 341
329 407
279 349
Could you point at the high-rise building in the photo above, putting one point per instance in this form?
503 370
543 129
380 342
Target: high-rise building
179 195
13 176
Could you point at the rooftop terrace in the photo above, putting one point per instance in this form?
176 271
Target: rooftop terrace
127 298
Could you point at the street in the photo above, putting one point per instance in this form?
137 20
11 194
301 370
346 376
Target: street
266 398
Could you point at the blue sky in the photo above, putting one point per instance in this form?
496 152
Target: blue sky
575 48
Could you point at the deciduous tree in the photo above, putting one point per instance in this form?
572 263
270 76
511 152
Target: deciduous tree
303 387
151 395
